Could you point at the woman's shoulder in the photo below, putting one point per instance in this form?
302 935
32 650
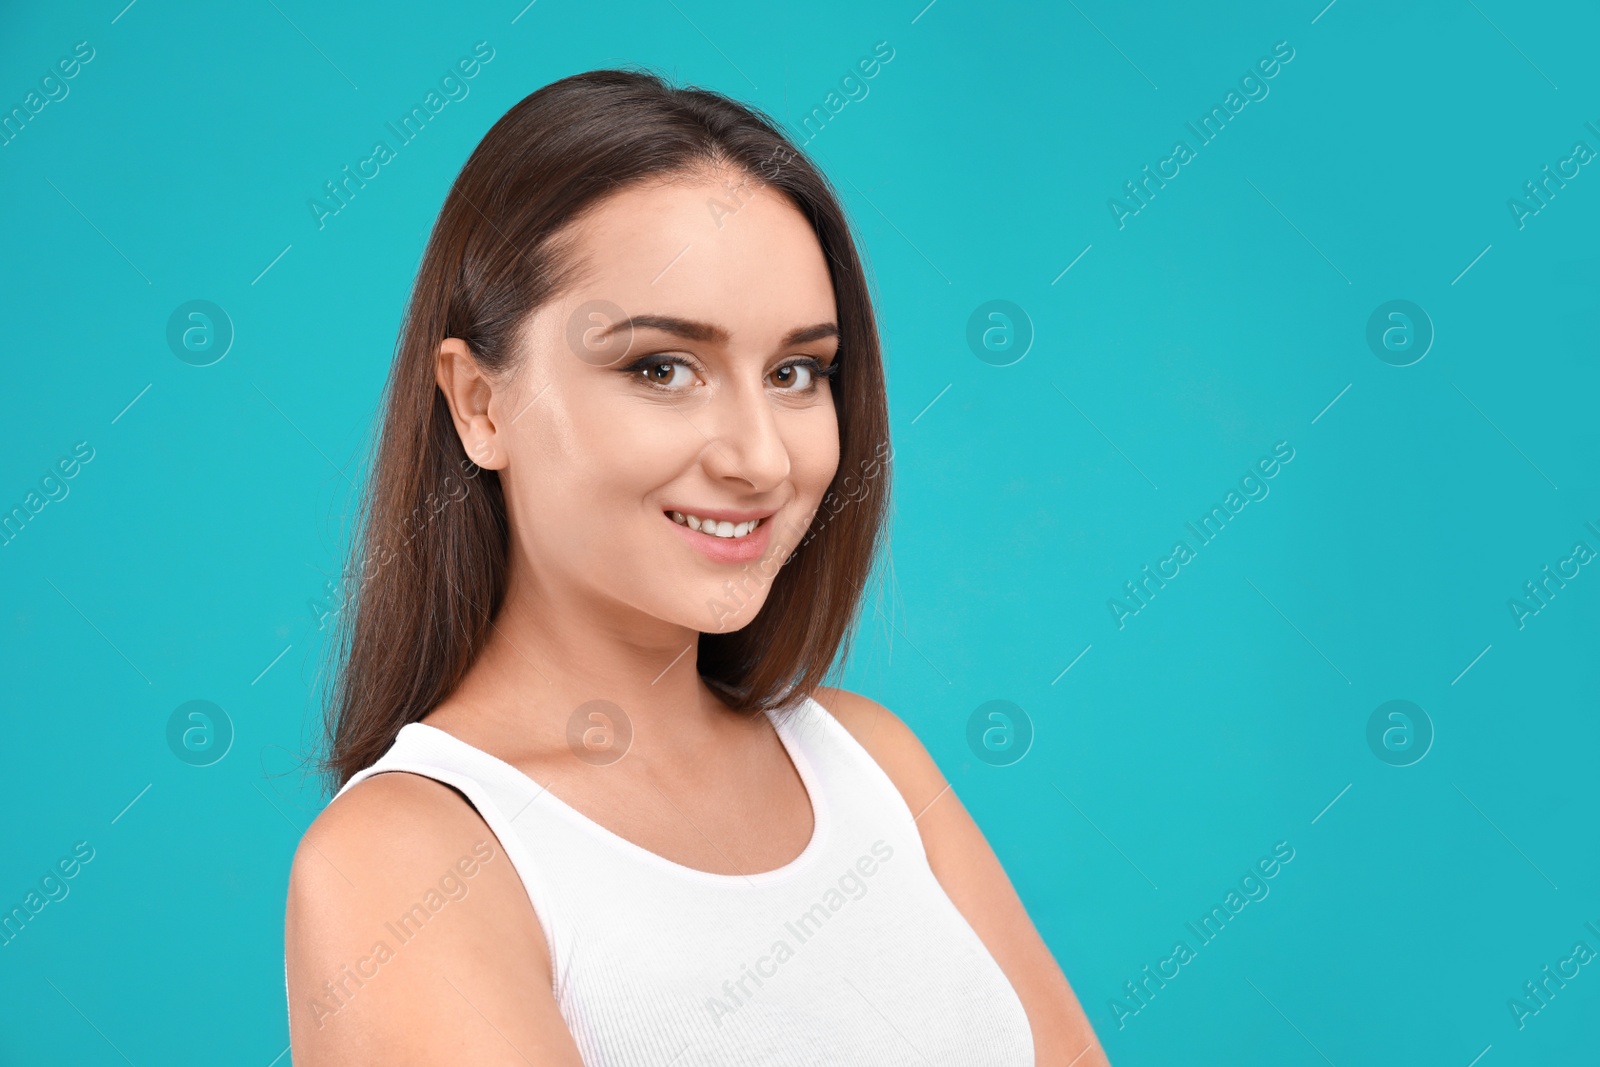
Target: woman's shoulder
392 854
377 841
393 817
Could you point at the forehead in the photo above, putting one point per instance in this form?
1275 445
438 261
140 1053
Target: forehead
721 249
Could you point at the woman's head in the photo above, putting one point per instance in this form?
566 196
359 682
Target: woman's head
637 301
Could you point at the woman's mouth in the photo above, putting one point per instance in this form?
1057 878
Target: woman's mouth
727 530
723 540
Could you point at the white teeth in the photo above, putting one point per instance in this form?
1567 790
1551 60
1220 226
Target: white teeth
716 529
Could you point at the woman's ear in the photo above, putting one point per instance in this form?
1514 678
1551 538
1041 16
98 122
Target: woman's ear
468 391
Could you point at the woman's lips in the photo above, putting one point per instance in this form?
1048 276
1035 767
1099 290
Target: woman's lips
747 549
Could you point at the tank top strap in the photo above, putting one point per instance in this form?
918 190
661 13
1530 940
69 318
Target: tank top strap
851 776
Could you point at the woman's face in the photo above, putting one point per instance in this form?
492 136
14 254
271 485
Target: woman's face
676 378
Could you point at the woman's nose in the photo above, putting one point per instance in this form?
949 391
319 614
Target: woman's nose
744 438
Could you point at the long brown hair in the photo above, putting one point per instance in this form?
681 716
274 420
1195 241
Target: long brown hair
429 554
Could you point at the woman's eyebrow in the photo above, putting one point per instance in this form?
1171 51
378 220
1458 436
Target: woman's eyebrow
810 333
706 332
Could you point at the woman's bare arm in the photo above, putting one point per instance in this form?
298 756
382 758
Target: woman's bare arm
409 939
975 882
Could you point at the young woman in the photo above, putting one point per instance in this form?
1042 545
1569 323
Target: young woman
594 805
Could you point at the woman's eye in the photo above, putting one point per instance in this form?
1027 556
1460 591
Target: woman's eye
668 373
795 377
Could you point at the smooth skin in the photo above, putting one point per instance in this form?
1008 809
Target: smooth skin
604 598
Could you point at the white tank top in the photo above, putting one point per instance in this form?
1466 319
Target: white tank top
850 954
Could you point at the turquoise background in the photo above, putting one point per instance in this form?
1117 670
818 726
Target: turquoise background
189 558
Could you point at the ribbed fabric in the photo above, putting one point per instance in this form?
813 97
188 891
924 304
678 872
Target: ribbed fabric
850 954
